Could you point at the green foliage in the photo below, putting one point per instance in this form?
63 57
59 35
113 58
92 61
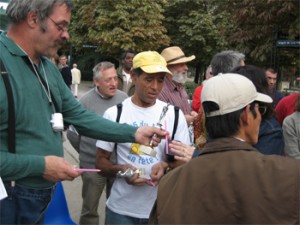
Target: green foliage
3 21
113 26
258 24
200 27
81 21
197 29
190 88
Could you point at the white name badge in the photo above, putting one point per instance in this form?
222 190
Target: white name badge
3 193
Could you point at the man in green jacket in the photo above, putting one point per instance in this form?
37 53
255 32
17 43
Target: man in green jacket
39 29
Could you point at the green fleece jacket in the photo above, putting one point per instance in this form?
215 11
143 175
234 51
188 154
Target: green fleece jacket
35 137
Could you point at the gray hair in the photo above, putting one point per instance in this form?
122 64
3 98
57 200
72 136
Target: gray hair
17 10
225 61
100 67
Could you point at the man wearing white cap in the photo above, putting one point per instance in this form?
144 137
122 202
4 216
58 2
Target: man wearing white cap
173 90
132 196
236 184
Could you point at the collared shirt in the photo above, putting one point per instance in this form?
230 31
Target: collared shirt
98 92
175 94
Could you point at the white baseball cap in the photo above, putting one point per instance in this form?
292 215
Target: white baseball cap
231 92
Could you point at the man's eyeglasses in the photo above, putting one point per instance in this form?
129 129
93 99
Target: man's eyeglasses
59 27
262 109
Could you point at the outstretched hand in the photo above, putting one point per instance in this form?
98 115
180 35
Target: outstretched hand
182 152
58 169
145 134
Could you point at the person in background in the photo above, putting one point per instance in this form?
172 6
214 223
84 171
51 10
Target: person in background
199 128
285 107
76 79
43 104
174 91
238 184
124 80
196 103
271 75
225 61
270 137
103 96
291 132
131 198
222 62
65 70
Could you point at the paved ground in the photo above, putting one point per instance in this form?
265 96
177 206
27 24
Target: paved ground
73 188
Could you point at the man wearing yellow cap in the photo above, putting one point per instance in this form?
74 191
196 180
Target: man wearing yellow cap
139 168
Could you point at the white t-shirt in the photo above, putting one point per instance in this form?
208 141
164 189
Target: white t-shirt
130 200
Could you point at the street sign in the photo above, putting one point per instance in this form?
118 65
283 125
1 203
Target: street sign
288 43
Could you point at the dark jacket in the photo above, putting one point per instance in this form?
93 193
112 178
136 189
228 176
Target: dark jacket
67 75
270 138
131 89
230 183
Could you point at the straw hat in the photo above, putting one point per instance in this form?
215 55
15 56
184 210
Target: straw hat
174 55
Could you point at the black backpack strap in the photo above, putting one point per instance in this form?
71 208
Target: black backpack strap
113 156
119 107
11 111
176 111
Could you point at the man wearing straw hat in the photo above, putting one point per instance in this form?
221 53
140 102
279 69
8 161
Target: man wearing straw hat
173 90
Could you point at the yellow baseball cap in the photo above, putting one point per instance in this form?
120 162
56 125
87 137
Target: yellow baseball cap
150 62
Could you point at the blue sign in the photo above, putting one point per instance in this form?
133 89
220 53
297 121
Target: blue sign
288 43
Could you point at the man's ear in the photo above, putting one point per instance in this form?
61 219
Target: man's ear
32 19
96 83
245 115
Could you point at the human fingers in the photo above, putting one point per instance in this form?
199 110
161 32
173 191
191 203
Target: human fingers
158 135
136 180
194 114
189 118
179 147
158 170
58 169
181 151
152 183
145 134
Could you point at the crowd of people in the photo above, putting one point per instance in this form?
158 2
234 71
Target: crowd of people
229 157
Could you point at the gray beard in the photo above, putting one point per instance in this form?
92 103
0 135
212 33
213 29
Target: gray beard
179 77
